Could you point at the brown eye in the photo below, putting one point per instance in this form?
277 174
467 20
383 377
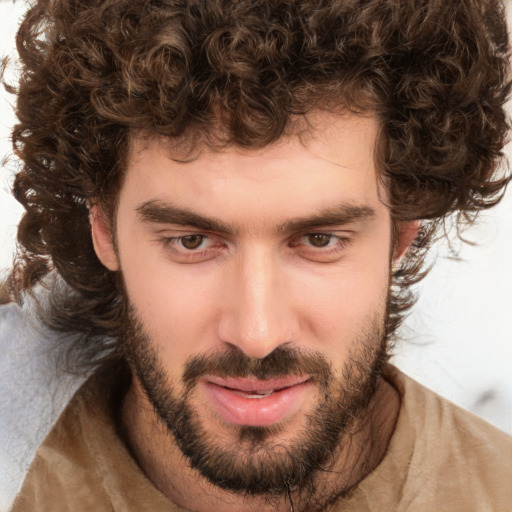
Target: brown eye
319 239
192 241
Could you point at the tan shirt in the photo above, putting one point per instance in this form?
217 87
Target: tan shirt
440 459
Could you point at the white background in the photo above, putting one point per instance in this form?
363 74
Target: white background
458 340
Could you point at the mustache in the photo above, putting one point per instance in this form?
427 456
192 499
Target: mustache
281 362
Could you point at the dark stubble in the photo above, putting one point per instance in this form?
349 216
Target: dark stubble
257 464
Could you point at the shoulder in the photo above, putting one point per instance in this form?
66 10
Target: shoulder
34 392
59 477
429 414
451 454
84 463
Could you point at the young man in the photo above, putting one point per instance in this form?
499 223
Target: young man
226 202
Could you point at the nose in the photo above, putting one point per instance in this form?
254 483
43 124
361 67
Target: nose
258 313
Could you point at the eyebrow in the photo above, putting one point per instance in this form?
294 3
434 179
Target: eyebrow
159 212
337 216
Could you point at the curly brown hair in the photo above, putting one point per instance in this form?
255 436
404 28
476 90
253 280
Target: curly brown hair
94 72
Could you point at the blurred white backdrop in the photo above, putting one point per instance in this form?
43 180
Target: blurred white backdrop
457 340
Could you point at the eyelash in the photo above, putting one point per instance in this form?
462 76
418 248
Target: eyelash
171 243
340 242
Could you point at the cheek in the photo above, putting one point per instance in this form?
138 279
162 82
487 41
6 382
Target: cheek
344 304
340 308
176 307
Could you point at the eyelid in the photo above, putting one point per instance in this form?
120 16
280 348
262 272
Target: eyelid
327 254
336 234
170 241
174 240
180 254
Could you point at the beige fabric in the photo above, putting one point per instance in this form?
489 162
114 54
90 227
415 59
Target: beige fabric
441 459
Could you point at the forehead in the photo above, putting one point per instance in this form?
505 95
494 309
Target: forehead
336 137
326 159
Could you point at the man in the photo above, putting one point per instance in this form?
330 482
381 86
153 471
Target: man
228 202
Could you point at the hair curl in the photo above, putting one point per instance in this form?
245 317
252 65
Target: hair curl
94 72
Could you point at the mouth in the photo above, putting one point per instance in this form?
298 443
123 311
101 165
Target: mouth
253 394
253 402
252 388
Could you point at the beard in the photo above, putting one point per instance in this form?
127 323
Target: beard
257 462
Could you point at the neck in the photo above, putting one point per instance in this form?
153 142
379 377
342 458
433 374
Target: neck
360 450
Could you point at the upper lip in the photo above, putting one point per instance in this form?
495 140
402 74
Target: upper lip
260 386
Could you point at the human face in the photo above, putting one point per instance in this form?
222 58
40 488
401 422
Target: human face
280 254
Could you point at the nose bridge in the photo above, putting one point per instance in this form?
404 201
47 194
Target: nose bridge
260 315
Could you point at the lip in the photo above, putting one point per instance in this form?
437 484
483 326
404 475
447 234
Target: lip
253 402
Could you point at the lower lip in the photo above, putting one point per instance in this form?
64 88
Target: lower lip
257 412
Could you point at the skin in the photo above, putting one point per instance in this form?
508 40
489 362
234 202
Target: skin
264 276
